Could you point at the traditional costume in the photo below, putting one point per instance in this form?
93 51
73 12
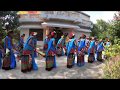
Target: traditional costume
20 47
45 47
81 52
1 53
108 43
60 46
35 44
87 44
28 61
91 51
71 47
50 53
9 61
100 48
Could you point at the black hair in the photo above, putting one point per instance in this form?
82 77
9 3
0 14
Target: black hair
23 34
10 32
73 37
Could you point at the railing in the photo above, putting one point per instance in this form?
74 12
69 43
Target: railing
30 18
86 23
64 15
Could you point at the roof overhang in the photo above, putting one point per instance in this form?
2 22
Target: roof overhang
61 25
84 30
29 26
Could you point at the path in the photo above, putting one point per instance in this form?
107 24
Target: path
89 71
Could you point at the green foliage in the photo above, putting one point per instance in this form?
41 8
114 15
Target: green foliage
112 64
11 18
112 68
100 29
112 51
109 29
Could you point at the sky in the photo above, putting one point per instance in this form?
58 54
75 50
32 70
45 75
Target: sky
105 15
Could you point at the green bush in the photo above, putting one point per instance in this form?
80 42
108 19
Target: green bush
112 51
112 64
112 68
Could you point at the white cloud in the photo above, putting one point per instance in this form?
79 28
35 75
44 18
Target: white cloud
105 15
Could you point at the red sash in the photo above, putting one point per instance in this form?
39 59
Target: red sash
92 50
51 53
59 45
72 50
45 46
26 52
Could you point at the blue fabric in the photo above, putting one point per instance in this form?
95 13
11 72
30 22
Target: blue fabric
28 47
92 45
100 47
81 44
70 45
0 59
35 43
61 41
12 56
86 42
35 66
21 41
8 43
13 60
107 43
46 40
51 47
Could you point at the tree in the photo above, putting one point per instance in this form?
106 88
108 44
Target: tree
100 29
8 21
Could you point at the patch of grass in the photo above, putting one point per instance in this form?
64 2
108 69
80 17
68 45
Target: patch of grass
112 68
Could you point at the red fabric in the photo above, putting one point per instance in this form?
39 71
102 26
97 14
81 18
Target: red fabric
59 45
45 46
32 33
26 52
83 35
92 50
72 51
51 53
71 34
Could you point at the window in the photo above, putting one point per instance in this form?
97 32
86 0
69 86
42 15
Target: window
39 33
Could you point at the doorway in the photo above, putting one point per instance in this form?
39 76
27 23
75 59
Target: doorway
59 34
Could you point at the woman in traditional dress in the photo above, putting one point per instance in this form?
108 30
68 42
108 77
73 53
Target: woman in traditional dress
60 46
66 42
48 37
91 51
71 47
20 46
100 48
87 43
35 44
96 44
9 62
108 43
1 52
51 53
81 51
28 60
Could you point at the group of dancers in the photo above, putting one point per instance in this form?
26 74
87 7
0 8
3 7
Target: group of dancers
66 45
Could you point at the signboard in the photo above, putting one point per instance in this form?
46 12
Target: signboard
28 12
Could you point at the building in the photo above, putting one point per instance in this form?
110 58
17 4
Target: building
43 22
